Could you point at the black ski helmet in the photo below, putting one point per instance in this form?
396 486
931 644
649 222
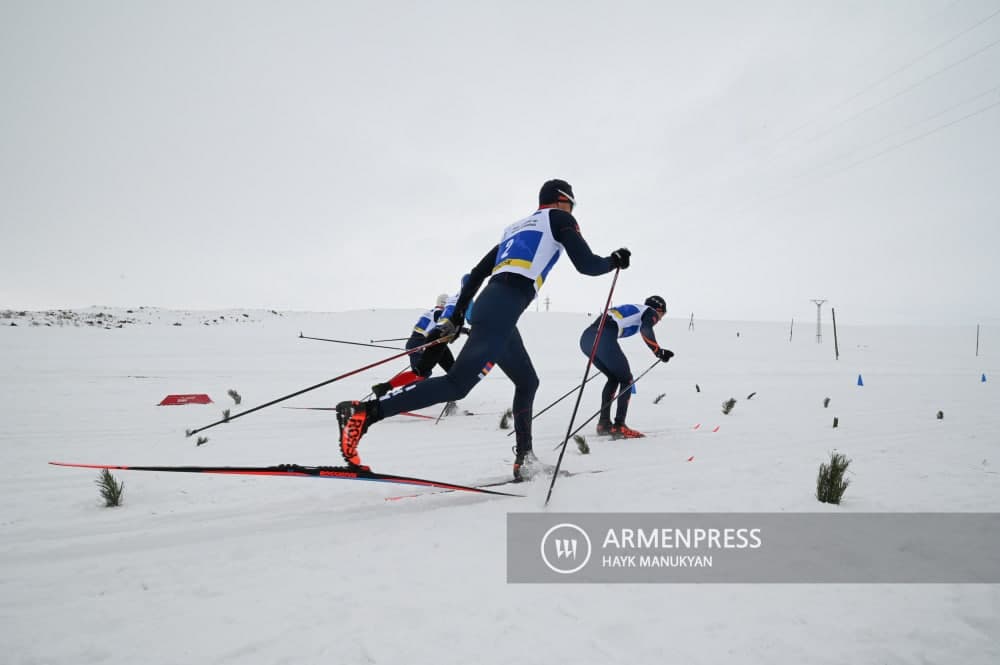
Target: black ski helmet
657 303
554 191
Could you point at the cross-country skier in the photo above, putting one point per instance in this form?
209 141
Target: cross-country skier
516 267
622 321
422 362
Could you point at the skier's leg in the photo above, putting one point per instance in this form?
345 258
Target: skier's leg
516 364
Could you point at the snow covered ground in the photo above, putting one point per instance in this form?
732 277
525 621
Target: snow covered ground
214 569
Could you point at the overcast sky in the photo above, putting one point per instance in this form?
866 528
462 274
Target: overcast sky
341 155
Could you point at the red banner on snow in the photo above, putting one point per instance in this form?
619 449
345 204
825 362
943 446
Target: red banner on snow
171 400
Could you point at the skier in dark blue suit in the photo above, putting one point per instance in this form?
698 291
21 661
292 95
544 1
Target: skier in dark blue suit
516 267
622 321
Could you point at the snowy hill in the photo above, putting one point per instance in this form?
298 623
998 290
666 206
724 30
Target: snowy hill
118 317
214 569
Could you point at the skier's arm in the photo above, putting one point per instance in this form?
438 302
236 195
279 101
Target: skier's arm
567 232
649 319
477 276
449 307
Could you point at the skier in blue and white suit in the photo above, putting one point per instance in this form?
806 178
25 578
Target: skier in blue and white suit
422 362
439 355
622 321
423 327
516 268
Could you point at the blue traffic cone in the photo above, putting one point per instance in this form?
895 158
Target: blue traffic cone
860 382
983 380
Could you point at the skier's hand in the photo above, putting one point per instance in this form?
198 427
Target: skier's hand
620 258
664 354
444 328
449 328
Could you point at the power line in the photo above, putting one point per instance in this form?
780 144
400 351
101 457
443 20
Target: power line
806 178
775 152
812 120
774 142
876 155
901 69
903 91
916 138
817 170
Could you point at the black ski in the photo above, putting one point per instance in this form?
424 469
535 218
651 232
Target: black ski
499 483
300 471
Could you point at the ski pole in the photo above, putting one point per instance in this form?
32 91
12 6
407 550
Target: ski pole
579 394
611 401
446 412
341 341
318 385
557 401
441 415
394 339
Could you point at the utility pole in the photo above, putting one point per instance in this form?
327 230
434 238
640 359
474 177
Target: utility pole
819 321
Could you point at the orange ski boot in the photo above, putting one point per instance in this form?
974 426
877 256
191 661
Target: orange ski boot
623 431
354 417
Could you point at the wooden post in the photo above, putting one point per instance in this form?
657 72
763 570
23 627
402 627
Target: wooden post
836 347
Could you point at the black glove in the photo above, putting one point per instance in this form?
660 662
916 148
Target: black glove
448 328
465 330
620 258
664 354
444 328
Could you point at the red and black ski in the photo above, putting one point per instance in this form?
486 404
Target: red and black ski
298 471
